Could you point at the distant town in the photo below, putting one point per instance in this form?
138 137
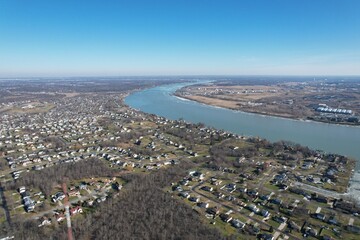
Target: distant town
72 152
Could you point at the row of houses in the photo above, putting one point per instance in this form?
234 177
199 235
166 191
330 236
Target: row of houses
326 109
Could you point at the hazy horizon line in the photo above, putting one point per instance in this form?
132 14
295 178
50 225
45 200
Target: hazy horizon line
182 75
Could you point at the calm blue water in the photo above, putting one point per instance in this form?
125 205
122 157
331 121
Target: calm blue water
340 139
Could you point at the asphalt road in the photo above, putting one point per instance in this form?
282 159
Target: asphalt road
321 191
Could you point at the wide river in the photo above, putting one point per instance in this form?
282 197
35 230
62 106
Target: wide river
332 138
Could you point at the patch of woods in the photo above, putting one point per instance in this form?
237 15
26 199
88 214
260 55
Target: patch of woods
48 178
184 133
224 153
192 134
57 142
142 211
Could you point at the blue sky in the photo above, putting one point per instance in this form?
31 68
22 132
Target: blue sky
177 37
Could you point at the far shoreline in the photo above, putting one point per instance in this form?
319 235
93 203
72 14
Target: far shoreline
264 114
